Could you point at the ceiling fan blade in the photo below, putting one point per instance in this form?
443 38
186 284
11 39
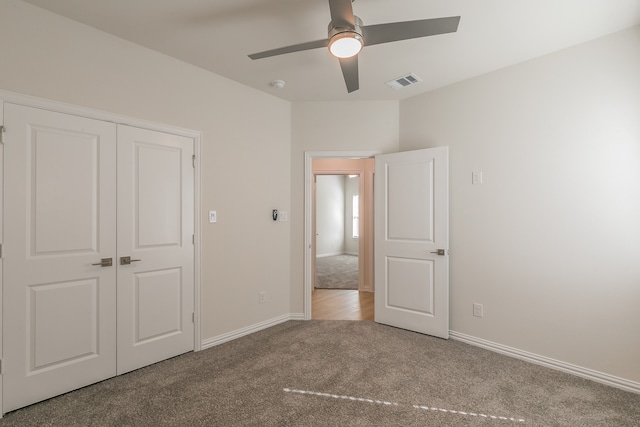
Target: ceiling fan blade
290 49
350 72
396 31
342 13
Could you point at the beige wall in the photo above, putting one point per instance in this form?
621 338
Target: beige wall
51 57
550 242
331 126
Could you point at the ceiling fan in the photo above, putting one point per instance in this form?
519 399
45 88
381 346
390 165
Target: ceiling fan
347 36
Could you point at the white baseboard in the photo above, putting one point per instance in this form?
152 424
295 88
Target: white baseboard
336 254
329 254
296 316
230 336
579 371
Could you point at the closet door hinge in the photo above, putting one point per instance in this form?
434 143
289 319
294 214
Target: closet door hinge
0 250
193 239
0 366
193 317
193 158
2 131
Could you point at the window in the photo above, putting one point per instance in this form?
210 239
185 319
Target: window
356 218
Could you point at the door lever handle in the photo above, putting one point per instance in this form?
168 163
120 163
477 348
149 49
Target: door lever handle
439 252
126 260
105 262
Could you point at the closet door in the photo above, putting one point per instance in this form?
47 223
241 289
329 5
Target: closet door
155 247
59 297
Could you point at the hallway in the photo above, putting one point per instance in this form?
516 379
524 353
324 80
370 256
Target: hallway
338 304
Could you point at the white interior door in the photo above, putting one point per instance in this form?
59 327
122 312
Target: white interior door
411 227
59 216
155 230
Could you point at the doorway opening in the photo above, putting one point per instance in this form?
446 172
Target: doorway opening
339 236
337 232
411 238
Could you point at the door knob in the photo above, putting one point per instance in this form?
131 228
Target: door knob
439 252
105 262
126 260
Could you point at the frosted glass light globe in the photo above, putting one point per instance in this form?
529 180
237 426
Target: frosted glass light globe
345 45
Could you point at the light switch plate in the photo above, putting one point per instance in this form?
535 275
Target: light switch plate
478 310
213 217
476 177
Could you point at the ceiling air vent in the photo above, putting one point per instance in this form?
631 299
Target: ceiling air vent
404 81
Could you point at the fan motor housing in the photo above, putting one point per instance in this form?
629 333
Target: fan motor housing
333 31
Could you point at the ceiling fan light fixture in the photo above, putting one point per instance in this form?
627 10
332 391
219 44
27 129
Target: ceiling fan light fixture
345 44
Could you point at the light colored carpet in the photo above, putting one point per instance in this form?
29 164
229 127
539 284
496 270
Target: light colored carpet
337 272
338 373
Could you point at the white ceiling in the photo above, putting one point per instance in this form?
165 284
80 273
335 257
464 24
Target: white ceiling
217 35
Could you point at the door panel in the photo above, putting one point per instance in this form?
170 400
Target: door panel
158 214
413 288
59 308
411 224
155 229
410 213
157 309
58 338
65 160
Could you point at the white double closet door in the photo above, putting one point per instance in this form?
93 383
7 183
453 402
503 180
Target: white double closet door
82 195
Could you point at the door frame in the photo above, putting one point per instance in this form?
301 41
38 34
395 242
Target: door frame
1 243
308 212
61 107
